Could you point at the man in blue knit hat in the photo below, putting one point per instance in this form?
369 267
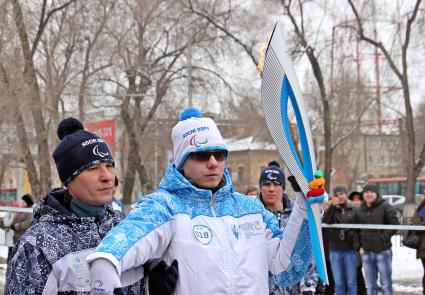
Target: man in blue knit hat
225 242
70 222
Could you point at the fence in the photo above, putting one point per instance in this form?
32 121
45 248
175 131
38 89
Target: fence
404 226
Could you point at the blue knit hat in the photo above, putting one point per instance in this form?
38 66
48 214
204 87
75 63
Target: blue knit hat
78 150
273 174
194 133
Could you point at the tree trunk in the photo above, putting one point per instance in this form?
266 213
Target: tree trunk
22 136
34 100
402 75
328 144
133 158
409 207
36 187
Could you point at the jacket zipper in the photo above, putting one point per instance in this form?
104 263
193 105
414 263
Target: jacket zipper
212 205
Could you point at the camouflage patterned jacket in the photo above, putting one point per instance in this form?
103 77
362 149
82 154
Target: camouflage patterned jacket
50 256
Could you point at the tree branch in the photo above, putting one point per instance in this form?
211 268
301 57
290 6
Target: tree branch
405 46
379 45
247 49
348 134
43 23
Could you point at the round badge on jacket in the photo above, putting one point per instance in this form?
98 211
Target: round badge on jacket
202 233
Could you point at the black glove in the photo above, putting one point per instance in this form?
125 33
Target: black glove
163 278
294 183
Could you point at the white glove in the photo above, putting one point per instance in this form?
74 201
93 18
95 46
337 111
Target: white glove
103 277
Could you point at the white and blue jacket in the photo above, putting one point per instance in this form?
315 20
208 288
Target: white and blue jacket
225 243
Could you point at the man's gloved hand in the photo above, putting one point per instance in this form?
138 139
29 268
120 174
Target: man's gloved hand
294 183
163 278
104 278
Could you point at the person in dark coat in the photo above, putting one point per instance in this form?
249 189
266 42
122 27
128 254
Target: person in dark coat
375 244
70 222
343 243
356 198
22 220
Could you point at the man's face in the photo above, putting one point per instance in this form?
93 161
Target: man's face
342 197
272 194
205 169
369 197
22 203
95 185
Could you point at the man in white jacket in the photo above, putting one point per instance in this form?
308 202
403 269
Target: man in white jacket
224 242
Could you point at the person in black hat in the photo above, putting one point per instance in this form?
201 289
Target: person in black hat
356 198
272 194
22 220
376 244
343 243
28 200
70 222
272 188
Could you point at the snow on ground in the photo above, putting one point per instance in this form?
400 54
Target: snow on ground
407 270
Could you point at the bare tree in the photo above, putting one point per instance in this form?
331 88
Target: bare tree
313 57
413 165
302 45
29 94
153 62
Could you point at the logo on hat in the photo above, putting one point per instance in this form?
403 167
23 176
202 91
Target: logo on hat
99 153
196 143
270 175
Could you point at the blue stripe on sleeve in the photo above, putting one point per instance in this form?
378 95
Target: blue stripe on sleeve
149 214
301 259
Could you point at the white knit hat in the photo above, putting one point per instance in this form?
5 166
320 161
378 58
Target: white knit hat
193 134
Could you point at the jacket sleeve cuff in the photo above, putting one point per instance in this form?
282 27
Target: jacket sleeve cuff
111 258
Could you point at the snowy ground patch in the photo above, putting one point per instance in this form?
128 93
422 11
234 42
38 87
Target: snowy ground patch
407 270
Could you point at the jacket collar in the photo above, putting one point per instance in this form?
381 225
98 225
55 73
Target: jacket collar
55 207
375 203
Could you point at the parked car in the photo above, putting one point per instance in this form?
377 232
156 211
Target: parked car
392 199
399 204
